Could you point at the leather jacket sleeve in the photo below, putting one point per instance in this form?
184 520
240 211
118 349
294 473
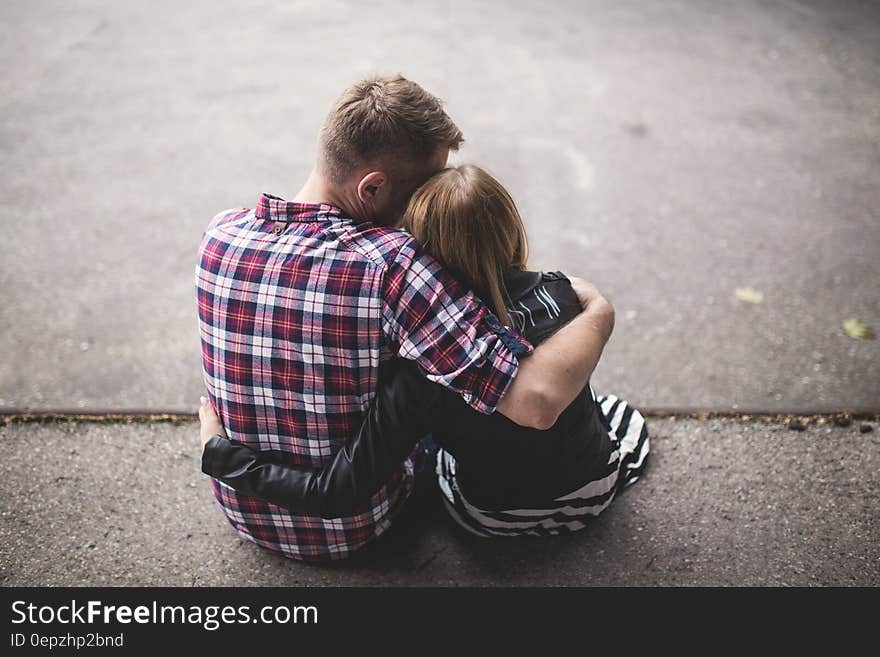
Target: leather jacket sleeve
399 416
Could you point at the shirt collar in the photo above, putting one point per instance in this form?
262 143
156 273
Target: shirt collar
273 208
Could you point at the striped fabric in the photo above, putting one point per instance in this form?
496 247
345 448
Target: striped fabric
298 305
569 512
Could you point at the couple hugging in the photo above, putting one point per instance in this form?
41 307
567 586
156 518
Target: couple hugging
380 332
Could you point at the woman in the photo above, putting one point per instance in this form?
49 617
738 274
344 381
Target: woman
496 477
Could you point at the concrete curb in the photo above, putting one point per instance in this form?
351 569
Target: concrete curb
14 415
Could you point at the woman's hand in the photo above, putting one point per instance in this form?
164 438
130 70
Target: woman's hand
210 424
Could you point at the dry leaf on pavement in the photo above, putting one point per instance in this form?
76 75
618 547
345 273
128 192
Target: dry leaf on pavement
749 295
857 329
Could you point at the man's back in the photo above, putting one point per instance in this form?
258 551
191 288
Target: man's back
298 305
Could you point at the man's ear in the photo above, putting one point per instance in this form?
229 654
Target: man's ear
370 186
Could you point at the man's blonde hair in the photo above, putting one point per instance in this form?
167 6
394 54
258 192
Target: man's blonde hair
384 120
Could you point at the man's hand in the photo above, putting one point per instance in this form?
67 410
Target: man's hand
210 424
560 367
593 302
586 292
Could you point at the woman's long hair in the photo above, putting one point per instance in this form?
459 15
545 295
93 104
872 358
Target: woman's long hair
466 219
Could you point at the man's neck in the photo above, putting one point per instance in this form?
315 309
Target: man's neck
318 190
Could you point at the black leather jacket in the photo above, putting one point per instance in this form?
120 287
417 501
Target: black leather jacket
499 463
401 413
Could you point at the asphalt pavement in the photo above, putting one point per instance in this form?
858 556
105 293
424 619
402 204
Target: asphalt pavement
669 152
723 502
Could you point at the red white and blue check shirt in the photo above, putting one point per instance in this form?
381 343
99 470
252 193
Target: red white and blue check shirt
298 304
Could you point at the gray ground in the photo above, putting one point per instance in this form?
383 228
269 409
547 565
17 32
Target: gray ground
668 151
723 502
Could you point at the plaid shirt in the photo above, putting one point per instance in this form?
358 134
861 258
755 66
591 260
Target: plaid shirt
298 305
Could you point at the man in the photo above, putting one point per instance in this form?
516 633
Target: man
300 301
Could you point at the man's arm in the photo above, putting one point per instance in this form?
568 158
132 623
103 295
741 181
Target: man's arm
550 379
428 317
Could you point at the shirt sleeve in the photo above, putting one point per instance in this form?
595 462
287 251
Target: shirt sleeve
430 318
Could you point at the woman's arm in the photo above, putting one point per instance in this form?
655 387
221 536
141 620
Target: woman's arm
400 415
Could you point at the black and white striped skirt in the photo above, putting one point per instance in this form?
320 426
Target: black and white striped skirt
568 513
